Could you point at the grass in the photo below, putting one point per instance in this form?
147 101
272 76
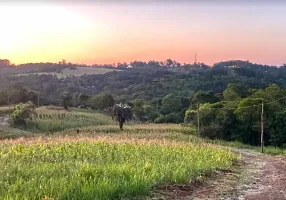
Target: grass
81 161
101 161
59 121
51 119
79 71
14 133
101 167
173 132
5 110
271 150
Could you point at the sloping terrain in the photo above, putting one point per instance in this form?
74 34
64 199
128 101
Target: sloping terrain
7 131
256 176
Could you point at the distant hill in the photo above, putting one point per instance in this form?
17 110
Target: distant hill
77 71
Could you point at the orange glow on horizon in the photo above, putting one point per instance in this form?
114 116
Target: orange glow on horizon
106 34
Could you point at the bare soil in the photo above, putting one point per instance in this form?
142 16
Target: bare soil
267 177
6 131
255 177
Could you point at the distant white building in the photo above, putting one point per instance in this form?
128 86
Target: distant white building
129 66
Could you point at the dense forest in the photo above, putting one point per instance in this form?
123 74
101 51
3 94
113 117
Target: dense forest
164 92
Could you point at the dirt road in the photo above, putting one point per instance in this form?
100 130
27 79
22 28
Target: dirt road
255 177
264 177
9 132
4 120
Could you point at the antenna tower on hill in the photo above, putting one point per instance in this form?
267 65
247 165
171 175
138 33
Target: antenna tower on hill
195 59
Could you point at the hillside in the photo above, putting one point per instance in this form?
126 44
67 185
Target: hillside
72 162
146 81
228 96
76 71
158 161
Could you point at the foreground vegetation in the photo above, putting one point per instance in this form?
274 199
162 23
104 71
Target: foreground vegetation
5 110
57 121
171 132
102 162
101 167
52 119
80 161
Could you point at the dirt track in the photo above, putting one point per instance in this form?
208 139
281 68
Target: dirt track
255 177
4 126
267 177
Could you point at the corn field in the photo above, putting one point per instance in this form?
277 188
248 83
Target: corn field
88 157
6 110
49 120
101 168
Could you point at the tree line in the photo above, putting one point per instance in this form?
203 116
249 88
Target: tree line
237 115
164 92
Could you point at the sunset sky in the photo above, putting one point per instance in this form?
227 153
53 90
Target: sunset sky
110 32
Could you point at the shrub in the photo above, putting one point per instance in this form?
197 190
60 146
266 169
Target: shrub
22 112
170 118
191 116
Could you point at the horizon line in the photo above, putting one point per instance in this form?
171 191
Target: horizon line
128 62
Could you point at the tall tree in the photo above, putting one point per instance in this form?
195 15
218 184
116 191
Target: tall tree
234 92
101 101
66 99
170 103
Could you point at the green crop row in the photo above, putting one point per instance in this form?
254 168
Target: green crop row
101 169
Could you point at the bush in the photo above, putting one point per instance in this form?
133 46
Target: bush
212 131
170 118
191 117
150 112
101 101
278 129
22 112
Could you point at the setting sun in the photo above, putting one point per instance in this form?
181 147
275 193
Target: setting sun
110 33
40 32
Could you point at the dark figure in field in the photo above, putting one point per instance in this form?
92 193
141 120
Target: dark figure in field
122 113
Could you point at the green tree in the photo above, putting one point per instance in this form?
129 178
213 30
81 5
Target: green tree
138 109
185 102
150 112
210 126
75 99
204 97
17 94
274 102
169 118
22 112
170 104
101 101
84 98
66 99
34 96
248 113
216 121
278 129
3 97
191 117
234 92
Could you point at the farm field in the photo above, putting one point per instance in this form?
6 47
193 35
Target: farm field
5 110
79 71
52 119
86 156
101 167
